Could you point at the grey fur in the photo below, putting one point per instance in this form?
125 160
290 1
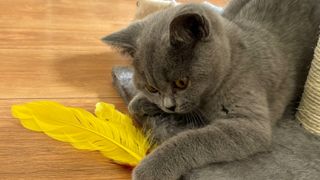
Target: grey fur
295 152
245 67
295 155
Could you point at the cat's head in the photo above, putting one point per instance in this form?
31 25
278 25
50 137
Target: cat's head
179 55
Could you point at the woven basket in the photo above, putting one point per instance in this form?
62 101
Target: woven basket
309 110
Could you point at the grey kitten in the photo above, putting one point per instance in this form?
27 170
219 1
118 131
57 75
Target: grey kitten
212 86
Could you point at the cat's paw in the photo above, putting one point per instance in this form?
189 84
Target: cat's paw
141 107
151 170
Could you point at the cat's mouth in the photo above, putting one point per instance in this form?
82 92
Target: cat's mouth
176 110
182 109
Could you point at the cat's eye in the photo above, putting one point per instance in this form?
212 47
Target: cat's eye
138 4
181 83
151 89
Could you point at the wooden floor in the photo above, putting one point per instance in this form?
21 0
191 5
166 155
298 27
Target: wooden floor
51 49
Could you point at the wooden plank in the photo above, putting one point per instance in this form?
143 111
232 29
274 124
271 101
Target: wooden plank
216 2
57 74
56 45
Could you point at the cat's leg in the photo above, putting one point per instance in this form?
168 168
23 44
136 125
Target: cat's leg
151 118
140 106
224 140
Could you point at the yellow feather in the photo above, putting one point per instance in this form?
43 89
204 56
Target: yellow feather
111 132
108 112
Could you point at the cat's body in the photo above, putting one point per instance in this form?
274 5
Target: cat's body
242 70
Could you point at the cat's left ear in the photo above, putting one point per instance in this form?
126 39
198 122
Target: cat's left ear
188 28
124 40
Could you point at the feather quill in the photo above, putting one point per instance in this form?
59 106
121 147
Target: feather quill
110 132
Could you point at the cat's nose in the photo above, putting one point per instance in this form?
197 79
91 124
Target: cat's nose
169 104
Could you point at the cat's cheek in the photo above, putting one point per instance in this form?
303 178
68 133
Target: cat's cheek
187 102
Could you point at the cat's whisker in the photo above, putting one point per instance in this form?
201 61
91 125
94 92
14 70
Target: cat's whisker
194 120
202 117
188 119
198 120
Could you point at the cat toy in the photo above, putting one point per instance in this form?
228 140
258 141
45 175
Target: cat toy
108 131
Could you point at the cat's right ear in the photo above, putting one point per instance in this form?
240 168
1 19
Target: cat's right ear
124 40
188 28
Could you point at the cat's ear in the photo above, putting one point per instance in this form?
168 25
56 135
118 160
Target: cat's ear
124 40
188 28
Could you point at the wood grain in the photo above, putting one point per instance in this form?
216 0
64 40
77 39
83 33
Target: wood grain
51 49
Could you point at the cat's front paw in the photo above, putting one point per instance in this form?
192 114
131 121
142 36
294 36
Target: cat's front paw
140 106
149 170
139 173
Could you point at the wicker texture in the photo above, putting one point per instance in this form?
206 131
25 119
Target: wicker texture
309 110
